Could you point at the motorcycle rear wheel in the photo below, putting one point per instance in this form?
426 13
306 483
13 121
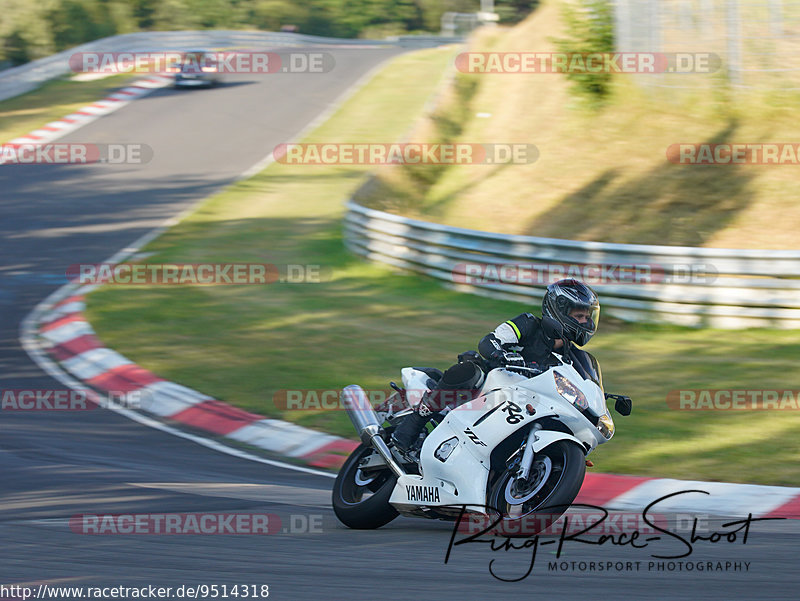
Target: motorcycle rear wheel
361 500
526 508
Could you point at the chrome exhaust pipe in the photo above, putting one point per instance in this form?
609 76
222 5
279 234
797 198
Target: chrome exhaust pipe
365 421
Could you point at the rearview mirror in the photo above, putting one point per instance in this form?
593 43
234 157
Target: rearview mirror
622 404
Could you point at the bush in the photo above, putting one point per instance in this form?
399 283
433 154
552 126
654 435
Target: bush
590 29
15 49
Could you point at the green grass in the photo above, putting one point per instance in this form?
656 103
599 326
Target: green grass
55 99
243 344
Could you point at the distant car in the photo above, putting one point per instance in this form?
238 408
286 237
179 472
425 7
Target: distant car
197 68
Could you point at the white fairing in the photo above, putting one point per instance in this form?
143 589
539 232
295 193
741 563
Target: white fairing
416 384
475 428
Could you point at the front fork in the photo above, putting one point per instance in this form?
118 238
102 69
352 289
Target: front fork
527 455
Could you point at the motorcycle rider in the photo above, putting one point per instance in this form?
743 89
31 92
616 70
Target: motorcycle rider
523 341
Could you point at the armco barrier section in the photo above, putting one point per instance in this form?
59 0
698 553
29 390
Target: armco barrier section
27 77
710 287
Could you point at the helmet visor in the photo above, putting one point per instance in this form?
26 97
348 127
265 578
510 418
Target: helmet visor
586 315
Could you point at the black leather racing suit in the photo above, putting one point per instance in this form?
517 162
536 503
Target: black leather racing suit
522 335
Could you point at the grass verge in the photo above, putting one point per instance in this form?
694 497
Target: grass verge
55 99
244 344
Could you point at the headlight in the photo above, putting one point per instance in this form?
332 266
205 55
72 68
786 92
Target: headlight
570 392
444 449
606 425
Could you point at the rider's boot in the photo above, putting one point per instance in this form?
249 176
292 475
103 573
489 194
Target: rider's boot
410 428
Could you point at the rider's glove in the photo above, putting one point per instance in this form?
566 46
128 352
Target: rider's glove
513 359
500 358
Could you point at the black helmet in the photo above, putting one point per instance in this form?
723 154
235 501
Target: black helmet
562 298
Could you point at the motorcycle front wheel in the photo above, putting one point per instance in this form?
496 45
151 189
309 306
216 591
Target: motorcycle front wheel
361 500
526 507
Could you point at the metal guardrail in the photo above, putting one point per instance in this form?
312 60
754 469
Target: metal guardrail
710 287
31 75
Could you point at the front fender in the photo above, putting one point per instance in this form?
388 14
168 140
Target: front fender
544 438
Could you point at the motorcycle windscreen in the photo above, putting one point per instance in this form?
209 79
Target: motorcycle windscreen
588 367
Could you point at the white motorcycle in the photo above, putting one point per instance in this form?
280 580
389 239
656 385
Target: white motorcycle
515 452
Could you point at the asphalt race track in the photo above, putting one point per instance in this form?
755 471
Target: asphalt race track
55 465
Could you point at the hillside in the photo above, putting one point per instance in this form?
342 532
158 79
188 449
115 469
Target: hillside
602 174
